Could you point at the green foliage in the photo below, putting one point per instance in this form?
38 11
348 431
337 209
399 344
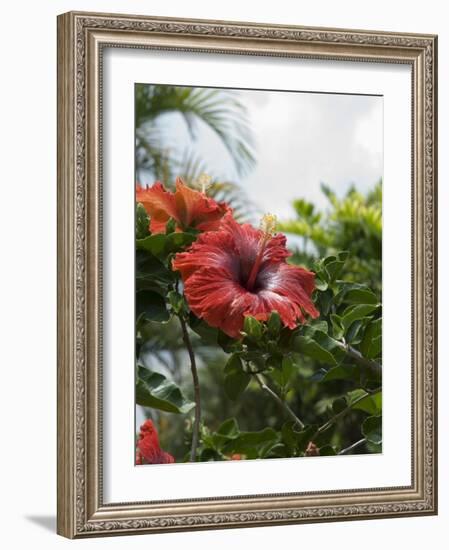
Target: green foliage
352 223
160 245
372 429
151 305
155 391
228 440
236 379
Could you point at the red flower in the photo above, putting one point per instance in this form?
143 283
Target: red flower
239 271
189 208
148 448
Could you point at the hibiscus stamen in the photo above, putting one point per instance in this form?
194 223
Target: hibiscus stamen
268 229
204 181
268 224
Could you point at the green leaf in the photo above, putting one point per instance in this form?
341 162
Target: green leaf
319 324
228 344
274 324
361 296
253 444
320 284
353 334
156 391
356 312
333 265
160 245
304 208
311 348
236 379
337 326
288 368
372 429
339 405
252 328
372 404
151 273
324 301
208 334
323 347
177 302
371 345
229 428
179 241
327 450
342 372
297 440
354 395
170 226
283 374
155 244
152 305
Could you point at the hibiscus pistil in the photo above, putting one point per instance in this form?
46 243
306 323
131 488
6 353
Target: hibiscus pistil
204 181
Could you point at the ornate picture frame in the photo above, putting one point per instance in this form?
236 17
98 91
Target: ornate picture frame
82 38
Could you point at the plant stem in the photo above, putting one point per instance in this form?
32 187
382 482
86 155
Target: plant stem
369 364
196 389
352 447
278 400
334 419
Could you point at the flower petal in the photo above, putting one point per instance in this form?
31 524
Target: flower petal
213 296
148 448
195 209
290 282
215 274
247 241
212 249
160 205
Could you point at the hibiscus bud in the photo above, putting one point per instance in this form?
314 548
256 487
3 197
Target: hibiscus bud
312 450
236 456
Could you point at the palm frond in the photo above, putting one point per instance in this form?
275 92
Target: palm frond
219 109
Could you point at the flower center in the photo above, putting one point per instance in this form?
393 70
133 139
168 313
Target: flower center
268 228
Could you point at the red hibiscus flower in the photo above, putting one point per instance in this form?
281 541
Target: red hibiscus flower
189 208
239 271
148 448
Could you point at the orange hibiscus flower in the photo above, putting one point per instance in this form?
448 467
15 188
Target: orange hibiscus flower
189 208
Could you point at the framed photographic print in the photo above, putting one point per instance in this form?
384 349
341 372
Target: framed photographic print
246 274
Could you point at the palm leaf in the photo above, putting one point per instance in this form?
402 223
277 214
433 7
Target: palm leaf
219 109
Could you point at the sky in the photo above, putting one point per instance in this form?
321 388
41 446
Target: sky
300 140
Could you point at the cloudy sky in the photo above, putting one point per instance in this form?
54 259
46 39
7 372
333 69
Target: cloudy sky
301 139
